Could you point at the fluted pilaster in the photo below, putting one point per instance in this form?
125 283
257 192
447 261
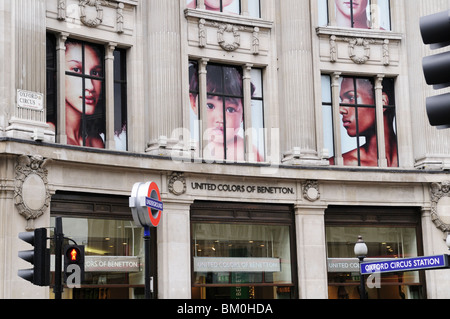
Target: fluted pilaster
163 69
297 111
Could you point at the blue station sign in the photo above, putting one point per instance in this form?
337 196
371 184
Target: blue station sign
405 264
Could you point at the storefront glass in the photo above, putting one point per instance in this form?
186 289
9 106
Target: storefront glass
241 261
114 258
383 243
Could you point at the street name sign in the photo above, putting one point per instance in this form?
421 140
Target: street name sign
405 264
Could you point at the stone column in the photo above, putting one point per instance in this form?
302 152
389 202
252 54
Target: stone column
297 105
311 252
28 29
163 75
109 93
174 251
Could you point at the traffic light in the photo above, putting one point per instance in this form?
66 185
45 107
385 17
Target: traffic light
435 30
40 257
74 264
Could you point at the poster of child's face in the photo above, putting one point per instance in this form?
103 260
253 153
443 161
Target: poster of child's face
224 134
85 119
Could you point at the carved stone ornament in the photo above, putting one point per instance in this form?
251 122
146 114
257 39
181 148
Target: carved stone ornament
97 19
177 184
438 191
359 49
231 29
31 194
311 191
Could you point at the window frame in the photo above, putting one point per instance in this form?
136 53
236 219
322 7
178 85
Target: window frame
336 129
55 66
198 86
205 212
373 217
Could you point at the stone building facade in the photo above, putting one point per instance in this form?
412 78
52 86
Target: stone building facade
268 208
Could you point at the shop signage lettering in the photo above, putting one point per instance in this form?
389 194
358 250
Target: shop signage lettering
30 100
112 264
347 264
213 264
235 188
406 264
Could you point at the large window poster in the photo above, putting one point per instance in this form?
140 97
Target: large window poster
358 124
363 14
224 134
228 6
85 115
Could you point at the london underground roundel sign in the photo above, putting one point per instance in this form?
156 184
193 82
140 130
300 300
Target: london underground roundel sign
146 205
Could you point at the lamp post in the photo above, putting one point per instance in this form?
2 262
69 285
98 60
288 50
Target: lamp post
361 252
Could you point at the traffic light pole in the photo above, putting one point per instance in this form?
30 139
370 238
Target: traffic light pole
59 239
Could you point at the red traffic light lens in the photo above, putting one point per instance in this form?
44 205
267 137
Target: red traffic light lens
73 254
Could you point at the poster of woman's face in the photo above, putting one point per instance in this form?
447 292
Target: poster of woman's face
85 120
357 13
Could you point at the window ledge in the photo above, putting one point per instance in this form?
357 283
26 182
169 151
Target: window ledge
228 18
359 33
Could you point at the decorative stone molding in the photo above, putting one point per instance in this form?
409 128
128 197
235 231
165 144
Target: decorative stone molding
311 190
438 191
235 30
234 33
362 46
31 193
99 5
177 183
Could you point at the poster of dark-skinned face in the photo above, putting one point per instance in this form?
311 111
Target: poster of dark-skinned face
358 123
84 89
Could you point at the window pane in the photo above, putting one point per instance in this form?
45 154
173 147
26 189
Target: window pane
382 243
254 8
113 249
257 115
390 129
120 100
323 12
358 122
230 254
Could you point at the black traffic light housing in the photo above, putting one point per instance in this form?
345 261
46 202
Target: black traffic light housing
39 257
435 31
74 255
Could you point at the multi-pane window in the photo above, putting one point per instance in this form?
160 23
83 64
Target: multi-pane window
219 130
228 6
84 109
360 129
362 14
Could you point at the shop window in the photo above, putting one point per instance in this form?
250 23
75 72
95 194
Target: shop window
361 14
388 233
352 134
240 259
228 6
114 245
218 128
83 115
